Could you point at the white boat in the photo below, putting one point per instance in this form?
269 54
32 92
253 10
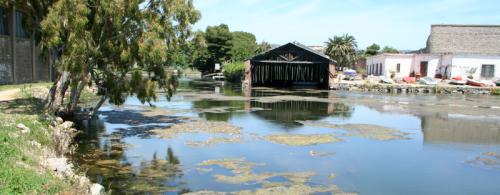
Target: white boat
428 81
386 80
457 82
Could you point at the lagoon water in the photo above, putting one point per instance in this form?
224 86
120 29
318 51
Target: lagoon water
445 144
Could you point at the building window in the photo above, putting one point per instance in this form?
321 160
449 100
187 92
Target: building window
21 24
4 24
487 71
398 68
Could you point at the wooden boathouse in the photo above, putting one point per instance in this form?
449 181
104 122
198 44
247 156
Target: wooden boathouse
290 64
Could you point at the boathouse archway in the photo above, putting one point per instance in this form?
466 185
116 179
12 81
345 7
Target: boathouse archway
290 64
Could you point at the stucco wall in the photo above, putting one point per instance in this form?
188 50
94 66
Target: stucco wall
432 60
462 64
391 64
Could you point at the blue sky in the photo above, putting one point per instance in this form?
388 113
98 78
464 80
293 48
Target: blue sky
401 24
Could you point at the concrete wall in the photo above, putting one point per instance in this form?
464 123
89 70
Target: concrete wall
20 59
5 60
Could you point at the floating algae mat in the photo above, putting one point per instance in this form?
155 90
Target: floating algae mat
302 140
374 132
197 126
243 173
486 159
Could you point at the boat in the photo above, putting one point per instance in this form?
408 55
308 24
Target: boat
457 82
428 81
474 83
409 79
386 80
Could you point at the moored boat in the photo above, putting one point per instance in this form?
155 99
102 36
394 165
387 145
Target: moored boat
457 82
474 83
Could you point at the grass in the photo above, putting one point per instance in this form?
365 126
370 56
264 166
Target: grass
20 170
19 86
495 91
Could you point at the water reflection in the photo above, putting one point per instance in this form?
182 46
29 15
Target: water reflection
104 159
441 129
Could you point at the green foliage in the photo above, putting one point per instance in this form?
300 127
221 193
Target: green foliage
388 49
342 49
244 46
495 91
219 44
263 47
234 71
372 50
102 42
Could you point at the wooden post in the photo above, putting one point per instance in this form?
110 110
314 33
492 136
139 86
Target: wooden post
247 82
331 75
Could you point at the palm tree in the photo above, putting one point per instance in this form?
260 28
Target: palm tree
342 49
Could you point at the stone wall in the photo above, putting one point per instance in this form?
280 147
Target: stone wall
413 89
474 39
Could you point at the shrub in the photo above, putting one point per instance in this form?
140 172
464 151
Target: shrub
234 71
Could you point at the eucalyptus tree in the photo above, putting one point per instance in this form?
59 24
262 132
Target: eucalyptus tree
342 49
120 47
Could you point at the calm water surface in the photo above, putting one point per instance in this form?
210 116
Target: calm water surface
447 138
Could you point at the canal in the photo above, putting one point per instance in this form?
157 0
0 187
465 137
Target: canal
218 139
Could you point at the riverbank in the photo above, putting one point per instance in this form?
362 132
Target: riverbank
34 146
364 86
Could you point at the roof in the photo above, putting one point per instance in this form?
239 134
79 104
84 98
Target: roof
464 39
271 54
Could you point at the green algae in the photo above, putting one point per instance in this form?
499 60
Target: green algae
213 141
242 173
486 159
373 132
197 126
302 140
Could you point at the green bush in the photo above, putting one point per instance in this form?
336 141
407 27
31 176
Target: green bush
234 71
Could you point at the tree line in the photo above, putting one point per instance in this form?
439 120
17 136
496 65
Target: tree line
121 48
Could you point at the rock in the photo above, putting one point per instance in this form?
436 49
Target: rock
59 120
23 128
67 125
35 144
97 189
60 166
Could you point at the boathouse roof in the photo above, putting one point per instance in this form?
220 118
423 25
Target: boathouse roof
293 52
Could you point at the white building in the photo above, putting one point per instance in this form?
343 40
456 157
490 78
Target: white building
452 50
487 67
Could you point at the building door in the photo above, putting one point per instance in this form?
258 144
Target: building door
423 68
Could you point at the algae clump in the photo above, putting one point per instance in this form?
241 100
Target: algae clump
302 140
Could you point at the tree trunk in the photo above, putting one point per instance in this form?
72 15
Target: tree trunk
93 113
55 98
74 97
